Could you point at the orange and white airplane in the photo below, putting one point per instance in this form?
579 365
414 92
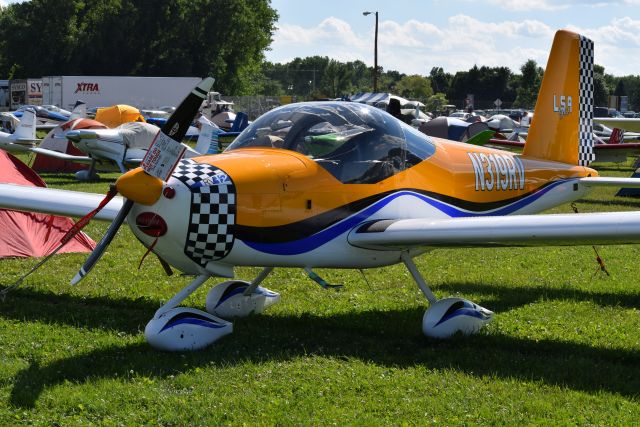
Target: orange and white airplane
346 185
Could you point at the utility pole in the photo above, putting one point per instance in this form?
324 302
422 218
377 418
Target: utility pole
375 52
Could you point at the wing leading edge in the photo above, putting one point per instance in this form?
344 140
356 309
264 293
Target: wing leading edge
56 202
515 230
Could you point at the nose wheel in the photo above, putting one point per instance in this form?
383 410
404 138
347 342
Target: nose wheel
176 328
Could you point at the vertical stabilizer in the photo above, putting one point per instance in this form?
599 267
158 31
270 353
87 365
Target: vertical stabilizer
79 110
207 137
562 127
26 130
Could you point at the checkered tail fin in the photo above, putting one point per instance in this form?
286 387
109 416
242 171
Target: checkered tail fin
562 124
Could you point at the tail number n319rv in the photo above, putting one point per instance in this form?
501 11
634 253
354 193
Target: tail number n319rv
495 172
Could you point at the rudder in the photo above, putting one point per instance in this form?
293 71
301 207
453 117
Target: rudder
562 127
26 130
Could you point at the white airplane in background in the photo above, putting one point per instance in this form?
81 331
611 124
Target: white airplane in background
24 136
624 123
117 149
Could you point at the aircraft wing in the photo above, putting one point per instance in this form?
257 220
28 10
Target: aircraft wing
495 231
610 181
14 148
26 141
132 163
57 202
61 156
632 125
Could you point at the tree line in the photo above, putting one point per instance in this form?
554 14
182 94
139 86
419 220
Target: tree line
321 77
228 39
221 38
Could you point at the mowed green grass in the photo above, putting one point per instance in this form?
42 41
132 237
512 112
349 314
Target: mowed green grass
564 348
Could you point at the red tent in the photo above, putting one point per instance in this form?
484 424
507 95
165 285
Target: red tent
27 234
56 141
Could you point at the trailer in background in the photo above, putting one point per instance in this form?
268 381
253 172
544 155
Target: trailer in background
103 91
25 92
5 97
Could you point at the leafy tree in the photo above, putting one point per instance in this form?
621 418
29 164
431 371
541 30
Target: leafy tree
600 89
459 87
631 86
414 87
388 81
43 46
435 102
226 39
440 80
337 79
492 83
531 79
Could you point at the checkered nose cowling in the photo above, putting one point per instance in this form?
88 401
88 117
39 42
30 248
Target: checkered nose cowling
213 210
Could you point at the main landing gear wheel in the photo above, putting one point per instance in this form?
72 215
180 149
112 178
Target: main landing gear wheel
184 329
235 299
448 316
87 175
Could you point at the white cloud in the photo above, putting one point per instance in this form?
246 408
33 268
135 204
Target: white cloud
414 47
331 30
528 5
617 45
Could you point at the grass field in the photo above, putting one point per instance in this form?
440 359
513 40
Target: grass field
564 348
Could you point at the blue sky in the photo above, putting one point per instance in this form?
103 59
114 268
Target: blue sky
415 36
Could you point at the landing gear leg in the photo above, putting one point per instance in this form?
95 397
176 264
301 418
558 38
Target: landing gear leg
238 298
256 282
447 316
88 174
408 262
176 328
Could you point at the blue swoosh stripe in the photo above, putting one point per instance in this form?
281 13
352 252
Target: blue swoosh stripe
192 321
314 241
463 312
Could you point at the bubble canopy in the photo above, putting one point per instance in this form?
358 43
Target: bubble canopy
356 143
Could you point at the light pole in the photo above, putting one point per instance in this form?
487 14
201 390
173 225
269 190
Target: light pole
375 53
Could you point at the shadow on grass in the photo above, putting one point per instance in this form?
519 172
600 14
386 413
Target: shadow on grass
621 201
388 338
508 298
616 167
70 179
117 314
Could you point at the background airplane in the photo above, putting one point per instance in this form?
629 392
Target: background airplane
23 137
117 149
628 124
613 150
345 185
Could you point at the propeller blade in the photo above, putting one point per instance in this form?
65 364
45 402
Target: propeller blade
166 150
183 116
102 246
